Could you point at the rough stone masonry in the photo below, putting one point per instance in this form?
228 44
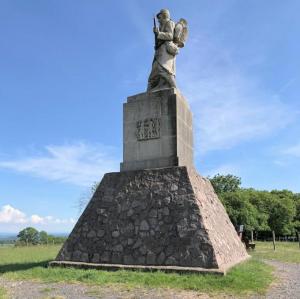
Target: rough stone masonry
157 212
163 217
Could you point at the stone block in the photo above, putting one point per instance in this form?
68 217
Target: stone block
157 131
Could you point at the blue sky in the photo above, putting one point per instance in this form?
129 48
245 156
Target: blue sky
66 67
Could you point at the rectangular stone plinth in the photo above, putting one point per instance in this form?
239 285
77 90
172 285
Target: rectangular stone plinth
157 129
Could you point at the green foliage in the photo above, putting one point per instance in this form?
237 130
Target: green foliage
43 237
28 235
282 211
29 263
240 209
225 183
261 211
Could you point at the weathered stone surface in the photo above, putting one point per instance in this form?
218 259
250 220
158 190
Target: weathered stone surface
185 226
157 131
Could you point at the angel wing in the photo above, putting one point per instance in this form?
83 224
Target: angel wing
180 33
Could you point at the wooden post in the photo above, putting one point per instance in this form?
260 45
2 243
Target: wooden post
252 241
273 234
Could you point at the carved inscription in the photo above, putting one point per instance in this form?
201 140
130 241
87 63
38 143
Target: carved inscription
148 129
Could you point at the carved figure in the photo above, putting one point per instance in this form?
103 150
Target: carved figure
148 129
169 37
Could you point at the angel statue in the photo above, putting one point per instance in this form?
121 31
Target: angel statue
169 37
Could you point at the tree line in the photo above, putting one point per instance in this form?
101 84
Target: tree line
259 211
31 236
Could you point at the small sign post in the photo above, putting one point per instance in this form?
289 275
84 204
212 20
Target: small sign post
274 246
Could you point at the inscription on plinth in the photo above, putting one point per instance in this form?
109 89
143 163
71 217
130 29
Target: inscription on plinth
148 129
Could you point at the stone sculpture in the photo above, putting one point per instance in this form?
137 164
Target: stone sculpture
157 212
169 37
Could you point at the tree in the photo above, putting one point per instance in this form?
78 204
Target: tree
225 183
86 196
43 237
240 210
29 235
282 211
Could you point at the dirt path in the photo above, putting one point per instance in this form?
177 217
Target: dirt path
38 290
287 285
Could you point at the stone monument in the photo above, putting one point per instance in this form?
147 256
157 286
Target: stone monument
157 212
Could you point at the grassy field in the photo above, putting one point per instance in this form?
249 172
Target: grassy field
30 263
285 251
2 293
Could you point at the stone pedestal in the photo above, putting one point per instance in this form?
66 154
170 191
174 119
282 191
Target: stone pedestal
157 213
157 129
157 218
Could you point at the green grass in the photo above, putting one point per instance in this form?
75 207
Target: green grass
2 293
24 263
285 251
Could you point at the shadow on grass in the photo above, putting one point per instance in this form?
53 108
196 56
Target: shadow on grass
22 266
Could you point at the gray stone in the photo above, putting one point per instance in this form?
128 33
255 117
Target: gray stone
84 257
105 257
174 187
118 248
153 213
151 258
96 258
166 211
128 260
130 241
161 258
135 204
137 244
115 234
91 234
144 226
141 260
130 212
173 146
100 233
76 255
171 261
143 250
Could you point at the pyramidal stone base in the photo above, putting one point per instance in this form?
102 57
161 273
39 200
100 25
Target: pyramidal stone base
166 218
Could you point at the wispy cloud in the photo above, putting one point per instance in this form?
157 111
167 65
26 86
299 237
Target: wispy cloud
293 150
229 106
223 169
80 163
11 215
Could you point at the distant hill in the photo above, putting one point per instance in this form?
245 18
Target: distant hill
8 236
13 236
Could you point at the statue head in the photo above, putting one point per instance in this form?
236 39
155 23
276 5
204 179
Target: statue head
163 15
183 22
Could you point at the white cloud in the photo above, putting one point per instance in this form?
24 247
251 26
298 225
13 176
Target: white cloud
11 215
293 151
8 214
229 106
79 164
36 219
223 170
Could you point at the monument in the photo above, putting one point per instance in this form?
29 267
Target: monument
157 212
